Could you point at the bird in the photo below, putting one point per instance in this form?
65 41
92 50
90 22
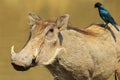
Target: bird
105 15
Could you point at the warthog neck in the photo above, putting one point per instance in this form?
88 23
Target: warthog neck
59 72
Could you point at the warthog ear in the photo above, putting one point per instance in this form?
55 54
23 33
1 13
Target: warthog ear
62 21
34 19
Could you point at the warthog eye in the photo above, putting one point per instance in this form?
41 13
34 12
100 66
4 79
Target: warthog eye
51 30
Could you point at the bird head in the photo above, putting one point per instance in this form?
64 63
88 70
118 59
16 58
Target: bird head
98 4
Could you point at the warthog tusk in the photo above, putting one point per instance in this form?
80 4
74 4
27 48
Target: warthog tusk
36 53
12 50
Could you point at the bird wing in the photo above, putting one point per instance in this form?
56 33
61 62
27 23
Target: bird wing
107 17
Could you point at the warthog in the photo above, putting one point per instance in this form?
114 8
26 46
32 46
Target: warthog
67 52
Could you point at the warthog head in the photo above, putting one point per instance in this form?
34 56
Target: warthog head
43 45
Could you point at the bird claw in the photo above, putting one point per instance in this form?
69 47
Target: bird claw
106 27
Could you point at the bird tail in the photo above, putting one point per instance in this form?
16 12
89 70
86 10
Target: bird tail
116 27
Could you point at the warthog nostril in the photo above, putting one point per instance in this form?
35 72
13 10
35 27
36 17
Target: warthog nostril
19 68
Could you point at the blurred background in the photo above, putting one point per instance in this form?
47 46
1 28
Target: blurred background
14 28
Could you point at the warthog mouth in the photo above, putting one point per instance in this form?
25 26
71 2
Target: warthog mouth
19 68
22 67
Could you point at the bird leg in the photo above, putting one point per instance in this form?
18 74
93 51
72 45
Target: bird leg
106 26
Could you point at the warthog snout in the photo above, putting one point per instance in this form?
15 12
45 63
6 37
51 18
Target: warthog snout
21 67
21 64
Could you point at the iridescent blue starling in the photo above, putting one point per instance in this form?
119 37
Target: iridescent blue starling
105 15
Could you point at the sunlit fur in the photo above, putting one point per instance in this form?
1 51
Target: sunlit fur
73 54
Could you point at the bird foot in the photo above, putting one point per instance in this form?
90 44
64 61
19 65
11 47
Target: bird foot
106 26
